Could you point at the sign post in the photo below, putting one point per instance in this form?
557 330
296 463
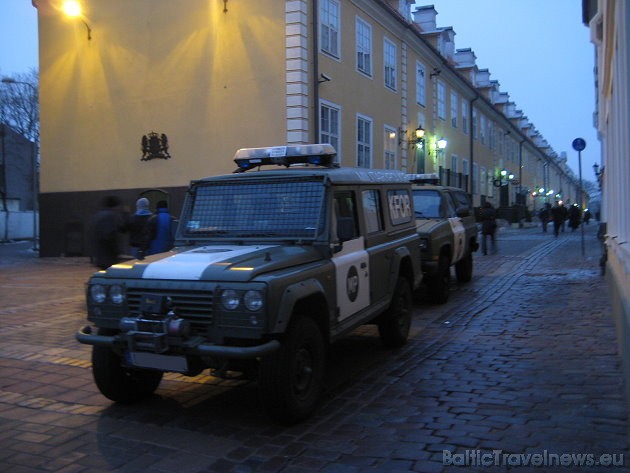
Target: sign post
579 144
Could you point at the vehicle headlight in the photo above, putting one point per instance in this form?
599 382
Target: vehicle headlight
253 300
98 293
230 299
116 294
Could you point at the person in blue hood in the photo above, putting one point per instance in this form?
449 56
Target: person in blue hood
138 237
161 228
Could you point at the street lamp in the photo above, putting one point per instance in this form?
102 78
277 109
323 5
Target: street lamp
72 8
9 80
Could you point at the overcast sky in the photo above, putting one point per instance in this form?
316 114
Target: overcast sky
538 50
541 54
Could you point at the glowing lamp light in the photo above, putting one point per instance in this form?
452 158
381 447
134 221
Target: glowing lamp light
72 8
442 143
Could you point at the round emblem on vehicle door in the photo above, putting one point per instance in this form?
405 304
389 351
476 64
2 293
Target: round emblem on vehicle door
352 284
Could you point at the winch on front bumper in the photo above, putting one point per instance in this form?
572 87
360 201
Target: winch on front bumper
159 339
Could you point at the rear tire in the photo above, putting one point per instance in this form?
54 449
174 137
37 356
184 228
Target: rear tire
439 284
119 383
394 324
291 379
464 268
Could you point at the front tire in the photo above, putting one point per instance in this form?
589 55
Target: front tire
464 268
291 379
119 383
394 325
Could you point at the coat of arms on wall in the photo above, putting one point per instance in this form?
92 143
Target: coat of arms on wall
154 146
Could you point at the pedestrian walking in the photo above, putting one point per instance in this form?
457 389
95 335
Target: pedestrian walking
138 234
558 216
108 225
161 230
575 217
545 216
487 216
587 216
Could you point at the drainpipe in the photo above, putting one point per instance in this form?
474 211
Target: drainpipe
315 138
471 148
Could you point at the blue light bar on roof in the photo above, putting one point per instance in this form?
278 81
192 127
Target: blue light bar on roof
314 154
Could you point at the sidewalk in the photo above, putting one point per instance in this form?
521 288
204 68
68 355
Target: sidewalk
519 366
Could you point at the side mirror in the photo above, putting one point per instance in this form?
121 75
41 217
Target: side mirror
462 212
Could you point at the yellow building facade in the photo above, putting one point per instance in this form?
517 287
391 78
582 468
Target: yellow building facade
139 98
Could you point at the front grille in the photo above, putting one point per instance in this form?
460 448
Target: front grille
192 304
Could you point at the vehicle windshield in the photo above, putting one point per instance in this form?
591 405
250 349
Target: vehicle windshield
426 203
283 208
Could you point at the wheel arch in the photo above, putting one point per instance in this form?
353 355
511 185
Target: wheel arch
306 298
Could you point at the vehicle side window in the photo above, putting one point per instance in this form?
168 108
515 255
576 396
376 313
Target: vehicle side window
399 202
450 205
372 210
462 200
345 216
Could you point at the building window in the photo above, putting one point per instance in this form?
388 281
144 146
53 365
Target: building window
364 142
454 111
329 115
484 181
390 149
364 47
421 84
329 27
491 141
441 96
389 62
464 116
474 123
475 178
482 128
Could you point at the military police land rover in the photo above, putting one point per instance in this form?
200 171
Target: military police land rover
448 234
270 268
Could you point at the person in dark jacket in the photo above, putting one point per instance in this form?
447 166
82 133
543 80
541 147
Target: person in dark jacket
487 216
108 225
558 216
161 228
545 216
138 236
575 217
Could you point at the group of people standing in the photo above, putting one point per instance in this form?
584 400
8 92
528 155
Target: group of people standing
559 214
148 233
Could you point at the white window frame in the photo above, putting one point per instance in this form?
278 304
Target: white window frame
364 46
421 84
454 108
326 135
390 148
330 27
464 116
441 100
364 143
390 56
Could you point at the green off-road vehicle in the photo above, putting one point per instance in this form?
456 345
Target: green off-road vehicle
448 234
270 267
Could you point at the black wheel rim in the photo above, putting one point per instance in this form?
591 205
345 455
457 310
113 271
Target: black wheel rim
303 371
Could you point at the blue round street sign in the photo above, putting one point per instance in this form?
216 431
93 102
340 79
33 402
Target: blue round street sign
579 144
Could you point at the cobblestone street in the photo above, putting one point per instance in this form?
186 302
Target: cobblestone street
516 371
